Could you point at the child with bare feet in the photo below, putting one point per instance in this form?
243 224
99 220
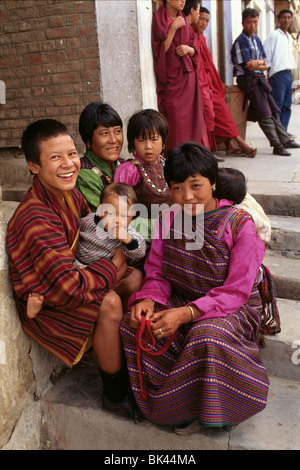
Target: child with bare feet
101 235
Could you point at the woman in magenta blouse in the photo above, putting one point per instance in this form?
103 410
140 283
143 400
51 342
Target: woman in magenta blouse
200 290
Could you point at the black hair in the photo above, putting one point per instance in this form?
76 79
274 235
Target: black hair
231 185
119 189
282 12
39 131
249 12
95 114
190 158
189 4
204 10
143 124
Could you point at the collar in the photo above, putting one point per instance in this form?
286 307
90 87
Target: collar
248 35
282 32
101 164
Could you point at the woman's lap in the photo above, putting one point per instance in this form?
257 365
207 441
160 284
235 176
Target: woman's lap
211 372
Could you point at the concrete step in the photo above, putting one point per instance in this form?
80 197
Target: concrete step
285 234
277 198
281 354
286 273
14 172
15 193
72 419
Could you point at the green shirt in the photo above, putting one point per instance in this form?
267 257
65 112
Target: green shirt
90 180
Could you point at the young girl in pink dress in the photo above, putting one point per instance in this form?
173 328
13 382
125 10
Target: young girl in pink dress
147 132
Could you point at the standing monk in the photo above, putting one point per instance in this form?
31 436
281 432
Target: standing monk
225 130
178 91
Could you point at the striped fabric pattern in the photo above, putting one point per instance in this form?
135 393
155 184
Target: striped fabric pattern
39 237
244 49
95 242
212 371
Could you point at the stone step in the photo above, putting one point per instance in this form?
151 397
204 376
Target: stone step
72 419
285 234
286 273
277 198
281 354
15 193
15 172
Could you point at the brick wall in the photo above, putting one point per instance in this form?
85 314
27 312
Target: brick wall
49 62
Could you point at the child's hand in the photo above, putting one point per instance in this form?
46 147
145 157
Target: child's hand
123 235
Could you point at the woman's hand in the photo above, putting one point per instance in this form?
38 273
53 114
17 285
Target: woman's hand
166 322
145 307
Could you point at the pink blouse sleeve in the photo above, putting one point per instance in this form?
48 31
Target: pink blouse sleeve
246 256
127 173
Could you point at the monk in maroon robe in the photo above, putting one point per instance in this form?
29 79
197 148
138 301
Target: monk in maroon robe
178 91
225 129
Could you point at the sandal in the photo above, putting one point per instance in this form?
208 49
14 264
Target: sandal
235 152
251 154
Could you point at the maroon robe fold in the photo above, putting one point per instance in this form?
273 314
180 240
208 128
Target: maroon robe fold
225 127
207 96
178 92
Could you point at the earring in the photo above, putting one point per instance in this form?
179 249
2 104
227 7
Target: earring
213 188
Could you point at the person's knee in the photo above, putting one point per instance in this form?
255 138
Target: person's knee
111 308
136 280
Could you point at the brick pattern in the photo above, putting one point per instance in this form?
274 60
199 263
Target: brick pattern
49 62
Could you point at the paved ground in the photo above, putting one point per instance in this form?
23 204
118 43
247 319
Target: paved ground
268 173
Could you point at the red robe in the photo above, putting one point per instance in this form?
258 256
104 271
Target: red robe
225 127
178 92
207 96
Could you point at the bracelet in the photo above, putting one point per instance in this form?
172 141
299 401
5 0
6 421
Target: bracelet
192 312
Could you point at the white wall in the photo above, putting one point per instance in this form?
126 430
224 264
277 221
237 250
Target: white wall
126 65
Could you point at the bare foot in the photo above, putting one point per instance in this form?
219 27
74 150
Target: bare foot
34 304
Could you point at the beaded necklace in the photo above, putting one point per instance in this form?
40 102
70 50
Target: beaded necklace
159 177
